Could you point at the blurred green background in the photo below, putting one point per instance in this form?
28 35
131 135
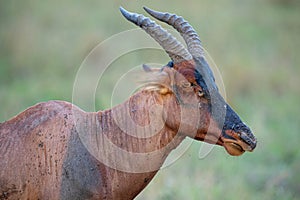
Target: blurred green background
255 44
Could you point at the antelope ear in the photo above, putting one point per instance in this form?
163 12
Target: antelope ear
146 68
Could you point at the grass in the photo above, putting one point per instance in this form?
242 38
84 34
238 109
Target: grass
254 43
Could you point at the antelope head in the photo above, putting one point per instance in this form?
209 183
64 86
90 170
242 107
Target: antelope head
200 111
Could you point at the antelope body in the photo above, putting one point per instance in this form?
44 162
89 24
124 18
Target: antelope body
54 150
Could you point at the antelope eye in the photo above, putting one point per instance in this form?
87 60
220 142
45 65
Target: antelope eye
200 93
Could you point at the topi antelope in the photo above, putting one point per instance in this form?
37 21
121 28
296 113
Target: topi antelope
54 150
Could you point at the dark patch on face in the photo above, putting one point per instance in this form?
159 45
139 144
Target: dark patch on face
200 81
204 75
235 124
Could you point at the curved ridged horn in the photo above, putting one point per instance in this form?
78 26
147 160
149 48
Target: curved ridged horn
175 49
183 27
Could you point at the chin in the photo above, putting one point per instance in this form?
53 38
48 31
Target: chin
233 149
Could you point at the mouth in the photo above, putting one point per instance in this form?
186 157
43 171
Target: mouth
238 143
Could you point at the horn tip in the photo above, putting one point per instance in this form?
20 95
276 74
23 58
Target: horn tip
156 14
124 12
121 9
148 10
132 17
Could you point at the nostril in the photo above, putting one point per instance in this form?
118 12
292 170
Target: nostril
248 139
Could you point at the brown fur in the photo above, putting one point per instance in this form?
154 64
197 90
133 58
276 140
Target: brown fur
38 146
54 150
